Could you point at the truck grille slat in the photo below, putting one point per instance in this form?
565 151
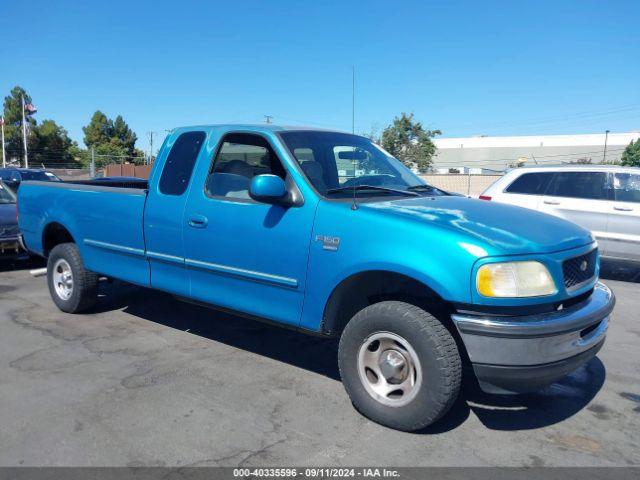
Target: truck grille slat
580 269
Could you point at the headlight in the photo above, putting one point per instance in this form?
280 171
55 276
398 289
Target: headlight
515 279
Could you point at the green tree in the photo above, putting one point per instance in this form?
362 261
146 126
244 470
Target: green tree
123 135
112 141
52 145
631 154
408 141
99 131
12 111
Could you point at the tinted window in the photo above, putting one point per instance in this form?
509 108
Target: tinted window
5 174
240 158
534 183
626 187
182 157
588 185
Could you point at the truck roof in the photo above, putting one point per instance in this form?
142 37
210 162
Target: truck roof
257 127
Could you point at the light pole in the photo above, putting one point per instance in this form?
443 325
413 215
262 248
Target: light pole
604 154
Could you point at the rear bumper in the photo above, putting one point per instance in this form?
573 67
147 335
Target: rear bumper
12 247
512 354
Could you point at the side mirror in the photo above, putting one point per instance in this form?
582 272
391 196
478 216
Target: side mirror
269 189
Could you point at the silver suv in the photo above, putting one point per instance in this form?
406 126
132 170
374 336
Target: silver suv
603 198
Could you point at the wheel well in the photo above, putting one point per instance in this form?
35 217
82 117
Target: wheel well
54 234
366 288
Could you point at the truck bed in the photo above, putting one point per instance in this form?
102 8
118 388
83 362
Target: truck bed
105 221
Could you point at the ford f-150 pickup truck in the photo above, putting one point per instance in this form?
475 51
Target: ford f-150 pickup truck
327 233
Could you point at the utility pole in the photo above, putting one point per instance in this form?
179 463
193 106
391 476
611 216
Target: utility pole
604 154
24 135
4 152
353 99
92 167
268 118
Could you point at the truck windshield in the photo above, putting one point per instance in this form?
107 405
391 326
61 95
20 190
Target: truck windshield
6 196
334 162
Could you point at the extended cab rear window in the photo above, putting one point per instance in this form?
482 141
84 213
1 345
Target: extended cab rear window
180 162
534 183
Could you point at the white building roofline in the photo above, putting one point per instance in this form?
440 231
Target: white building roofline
590 139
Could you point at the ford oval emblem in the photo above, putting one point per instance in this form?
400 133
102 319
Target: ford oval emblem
583 266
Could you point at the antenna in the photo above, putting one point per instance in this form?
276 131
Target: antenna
354 205
353 99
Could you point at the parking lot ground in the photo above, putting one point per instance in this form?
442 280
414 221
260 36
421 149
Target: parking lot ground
149 380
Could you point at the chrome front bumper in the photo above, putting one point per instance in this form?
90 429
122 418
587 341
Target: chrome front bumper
518 354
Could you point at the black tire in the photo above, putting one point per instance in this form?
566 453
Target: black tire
432 344
84 291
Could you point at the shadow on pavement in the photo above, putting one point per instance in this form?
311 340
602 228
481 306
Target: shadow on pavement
545 407
8 265
319 355
621 271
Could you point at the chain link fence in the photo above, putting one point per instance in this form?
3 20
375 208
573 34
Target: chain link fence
472 185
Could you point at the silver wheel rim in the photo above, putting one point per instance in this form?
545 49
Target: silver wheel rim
389 369
63 279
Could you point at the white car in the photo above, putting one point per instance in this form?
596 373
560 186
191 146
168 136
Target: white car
602 198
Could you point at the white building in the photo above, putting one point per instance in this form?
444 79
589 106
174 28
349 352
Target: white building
498 153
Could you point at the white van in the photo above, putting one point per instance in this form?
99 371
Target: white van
603 198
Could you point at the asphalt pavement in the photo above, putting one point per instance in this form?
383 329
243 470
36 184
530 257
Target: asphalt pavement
148 380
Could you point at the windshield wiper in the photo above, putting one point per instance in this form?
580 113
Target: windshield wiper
427 188
421 187
372 187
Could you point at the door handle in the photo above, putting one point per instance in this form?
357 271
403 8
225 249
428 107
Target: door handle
623 209
198 221
551 202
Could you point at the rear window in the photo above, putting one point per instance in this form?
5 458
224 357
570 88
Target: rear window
180 162
534 183
627 187
586 185
40 176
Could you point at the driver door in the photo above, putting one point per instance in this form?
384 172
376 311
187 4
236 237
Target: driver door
242 254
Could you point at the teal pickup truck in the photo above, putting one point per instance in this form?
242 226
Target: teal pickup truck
325 232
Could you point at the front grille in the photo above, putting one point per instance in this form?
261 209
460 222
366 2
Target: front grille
578 270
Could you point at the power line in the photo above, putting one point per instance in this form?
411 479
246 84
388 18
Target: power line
561 117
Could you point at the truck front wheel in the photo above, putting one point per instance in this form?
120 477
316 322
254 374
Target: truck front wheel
72 287
400 365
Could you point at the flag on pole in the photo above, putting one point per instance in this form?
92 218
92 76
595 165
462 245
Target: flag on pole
29 109
1 121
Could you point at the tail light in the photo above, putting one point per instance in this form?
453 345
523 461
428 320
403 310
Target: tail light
484 197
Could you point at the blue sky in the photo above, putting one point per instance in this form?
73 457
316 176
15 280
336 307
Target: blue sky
467 68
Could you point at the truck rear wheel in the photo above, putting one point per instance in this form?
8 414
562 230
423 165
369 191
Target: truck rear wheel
72 287
400 365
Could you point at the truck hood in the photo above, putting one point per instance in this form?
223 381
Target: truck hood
508 229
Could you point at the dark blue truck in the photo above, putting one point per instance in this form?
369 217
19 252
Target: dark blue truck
325 232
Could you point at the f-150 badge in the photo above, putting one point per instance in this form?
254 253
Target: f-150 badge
328 243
